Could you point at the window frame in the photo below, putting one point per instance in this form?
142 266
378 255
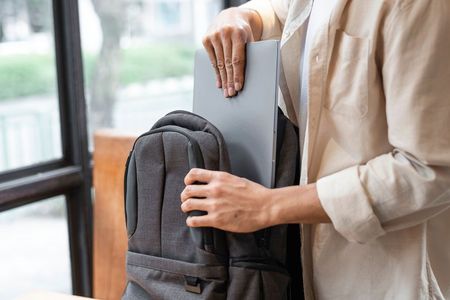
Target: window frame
71 175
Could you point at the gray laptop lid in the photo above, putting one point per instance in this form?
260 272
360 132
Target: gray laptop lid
247 121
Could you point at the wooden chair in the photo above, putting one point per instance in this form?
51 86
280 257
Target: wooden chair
110 239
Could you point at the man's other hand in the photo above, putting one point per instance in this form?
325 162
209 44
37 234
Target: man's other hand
225 43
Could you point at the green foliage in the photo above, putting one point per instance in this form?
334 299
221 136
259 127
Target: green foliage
26 74
23 75
143 64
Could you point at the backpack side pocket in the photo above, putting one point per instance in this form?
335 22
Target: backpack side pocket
130 189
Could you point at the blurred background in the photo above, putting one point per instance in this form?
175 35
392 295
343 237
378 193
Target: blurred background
137 58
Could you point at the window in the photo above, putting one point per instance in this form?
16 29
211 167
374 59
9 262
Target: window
137 66
139 58
29 118
35 252
43 150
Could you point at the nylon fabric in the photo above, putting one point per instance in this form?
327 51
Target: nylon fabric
167 259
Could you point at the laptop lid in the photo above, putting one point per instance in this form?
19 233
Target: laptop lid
247 121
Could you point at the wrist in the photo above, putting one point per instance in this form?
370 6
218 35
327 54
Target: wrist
253 19
286 205
272 208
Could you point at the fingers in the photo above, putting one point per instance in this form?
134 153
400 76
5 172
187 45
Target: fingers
228 52
238 62
195 204
220 63
194 191
225 44
198 175
201 221
212 57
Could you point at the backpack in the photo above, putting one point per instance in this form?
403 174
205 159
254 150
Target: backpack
168 260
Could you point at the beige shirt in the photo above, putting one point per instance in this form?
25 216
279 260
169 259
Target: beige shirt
377 144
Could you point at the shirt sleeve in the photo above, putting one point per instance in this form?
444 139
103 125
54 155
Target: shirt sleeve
411 184
273 14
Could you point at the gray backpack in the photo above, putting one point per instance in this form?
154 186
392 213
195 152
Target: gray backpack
168 260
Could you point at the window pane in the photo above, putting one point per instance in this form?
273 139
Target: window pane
139 58
34 252
29 120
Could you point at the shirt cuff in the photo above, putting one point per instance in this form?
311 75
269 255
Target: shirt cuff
346 202
271 24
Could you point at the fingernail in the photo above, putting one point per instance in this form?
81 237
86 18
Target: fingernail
225 93
231 91
237 86
218 84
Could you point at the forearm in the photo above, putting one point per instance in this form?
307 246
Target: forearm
390 192
255 21
295 204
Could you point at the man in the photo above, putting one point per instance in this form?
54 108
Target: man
368 83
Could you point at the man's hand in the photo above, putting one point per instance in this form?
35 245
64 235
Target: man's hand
239 205
225 43
232 203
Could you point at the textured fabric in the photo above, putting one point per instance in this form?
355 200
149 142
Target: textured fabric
155 278
163 251
248 283
377 144
167 259
319 16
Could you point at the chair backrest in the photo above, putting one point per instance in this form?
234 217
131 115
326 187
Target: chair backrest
110 238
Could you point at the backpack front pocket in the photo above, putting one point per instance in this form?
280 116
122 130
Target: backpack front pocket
153 277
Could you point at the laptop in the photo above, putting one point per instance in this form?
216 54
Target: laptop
248 121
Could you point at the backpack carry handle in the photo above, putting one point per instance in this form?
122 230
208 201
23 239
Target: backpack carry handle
193 122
